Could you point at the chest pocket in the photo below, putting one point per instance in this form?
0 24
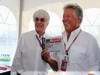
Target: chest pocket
77 54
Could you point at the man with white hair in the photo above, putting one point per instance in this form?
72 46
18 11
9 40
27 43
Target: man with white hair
31 55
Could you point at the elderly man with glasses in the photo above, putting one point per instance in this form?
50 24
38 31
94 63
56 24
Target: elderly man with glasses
31 54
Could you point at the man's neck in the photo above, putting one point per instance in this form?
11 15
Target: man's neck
40 35
69 33
68 36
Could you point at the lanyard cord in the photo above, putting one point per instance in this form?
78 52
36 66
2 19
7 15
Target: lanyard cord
42 45
72 43
39 41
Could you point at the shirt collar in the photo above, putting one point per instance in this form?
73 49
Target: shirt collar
72 35
76 31
38 35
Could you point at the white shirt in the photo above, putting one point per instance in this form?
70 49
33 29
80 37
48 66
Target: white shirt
84 52
28 55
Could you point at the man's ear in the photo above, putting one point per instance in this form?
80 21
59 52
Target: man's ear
46 24
80 19
78 22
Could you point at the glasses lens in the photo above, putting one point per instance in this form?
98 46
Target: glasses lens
42 20
36 19
39 19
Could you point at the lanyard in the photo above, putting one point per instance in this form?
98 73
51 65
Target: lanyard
72 43
42 44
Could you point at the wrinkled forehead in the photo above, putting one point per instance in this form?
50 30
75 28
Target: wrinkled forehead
70 11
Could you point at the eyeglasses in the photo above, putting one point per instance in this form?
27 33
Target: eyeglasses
39 19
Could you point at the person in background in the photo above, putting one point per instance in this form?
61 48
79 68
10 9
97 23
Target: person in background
81 48
31 54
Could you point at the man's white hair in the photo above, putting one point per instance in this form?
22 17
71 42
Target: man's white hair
41 13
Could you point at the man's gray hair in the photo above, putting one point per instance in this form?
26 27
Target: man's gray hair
42 14
77 9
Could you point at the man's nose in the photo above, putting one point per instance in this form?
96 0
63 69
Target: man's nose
39 21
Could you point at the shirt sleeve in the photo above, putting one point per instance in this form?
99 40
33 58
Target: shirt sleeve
17 62
93 55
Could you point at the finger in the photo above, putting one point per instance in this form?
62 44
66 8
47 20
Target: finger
45 52
45 49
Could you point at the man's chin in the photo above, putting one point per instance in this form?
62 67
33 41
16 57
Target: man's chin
68 30
40 32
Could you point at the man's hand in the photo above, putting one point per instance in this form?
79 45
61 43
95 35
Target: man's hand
53 64
46 57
